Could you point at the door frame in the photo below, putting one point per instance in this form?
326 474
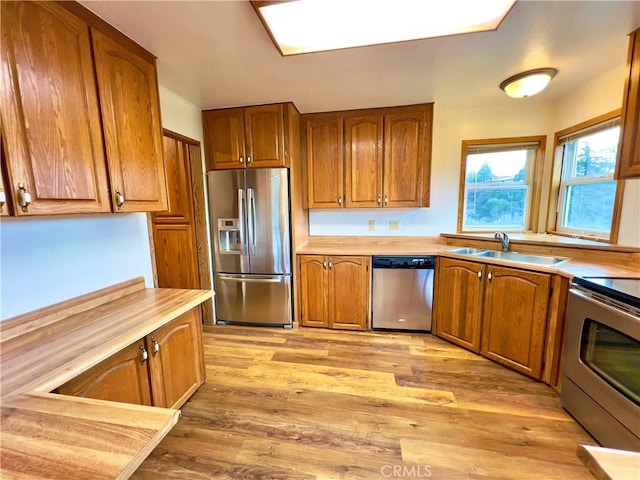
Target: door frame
199 219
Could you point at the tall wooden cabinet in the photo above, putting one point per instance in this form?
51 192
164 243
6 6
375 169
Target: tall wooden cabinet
498 312
72 92
369 158
629 152
248 137
163 369
335 291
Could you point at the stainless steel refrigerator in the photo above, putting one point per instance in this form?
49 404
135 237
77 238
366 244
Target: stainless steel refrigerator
249 215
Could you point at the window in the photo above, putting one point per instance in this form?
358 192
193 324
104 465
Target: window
587 194
500 180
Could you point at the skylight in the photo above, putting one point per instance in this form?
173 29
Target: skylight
304 26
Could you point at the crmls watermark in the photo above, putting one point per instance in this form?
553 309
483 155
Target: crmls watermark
406 471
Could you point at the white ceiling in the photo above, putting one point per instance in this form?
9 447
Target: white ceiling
218 54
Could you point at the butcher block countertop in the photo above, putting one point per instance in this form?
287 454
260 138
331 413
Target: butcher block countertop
588 258
46 435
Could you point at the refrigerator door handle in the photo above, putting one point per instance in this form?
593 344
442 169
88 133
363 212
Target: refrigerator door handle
252 279
251 204
241 210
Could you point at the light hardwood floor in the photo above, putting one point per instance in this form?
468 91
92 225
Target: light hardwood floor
316 404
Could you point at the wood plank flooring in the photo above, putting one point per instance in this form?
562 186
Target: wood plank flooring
322 404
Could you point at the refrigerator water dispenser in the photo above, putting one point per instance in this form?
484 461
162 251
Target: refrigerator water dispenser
229 239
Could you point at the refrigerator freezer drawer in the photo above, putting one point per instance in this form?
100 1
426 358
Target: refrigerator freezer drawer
257 299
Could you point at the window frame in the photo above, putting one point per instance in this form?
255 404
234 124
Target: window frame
556 190
535 176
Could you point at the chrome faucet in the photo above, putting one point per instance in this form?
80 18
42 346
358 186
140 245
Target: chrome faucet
504 240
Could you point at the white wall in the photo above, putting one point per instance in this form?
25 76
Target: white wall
450 126
44 260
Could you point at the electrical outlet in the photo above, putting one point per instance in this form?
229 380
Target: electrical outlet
372 225
394 224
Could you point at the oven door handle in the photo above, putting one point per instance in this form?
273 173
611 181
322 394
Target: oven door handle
628 317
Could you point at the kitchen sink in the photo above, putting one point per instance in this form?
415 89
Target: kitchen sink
467 251
521 257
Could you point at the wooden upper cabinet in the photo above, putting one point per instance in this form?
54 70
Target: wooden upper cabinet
177 361
363 161
407 162
629 152
224 138
349 292
5 205
325 162
123 377
178 172
176 255
54 146
459 290
264 136
128 94
245 137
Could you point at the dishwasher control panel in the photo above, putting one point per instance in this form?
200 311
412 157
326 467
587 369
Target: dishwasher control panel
404 261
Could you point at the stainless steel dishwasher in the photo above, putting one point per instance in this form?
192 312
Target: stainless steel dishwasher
402 294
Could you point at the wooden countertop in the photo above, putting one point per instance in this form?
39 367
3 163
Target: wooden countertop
321 245
610 464
47 435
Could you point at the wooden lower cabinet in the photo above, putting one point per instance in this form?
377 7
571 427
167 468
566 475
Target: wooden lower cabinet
459 294
515 318
499 312
163 369
335 291
124 377
177 362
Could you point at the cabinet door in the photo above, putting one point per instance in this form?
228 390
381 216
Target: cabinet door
50 112
406 159
128 93
124 377
363 161
178 171
325 163
4 195
264 136
515 318
349 292
223 138
177 362
176 257
629 154
313 290
458 304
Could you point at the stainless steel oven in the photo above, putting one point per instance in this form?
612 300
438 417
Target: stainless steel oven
601 359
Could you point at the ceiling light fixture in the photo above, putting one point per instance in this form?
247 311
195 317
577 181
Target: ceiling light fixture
528 83
303 26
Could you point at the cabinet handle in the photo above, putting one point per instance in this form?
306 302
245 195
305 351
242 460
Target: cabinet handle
324 264
144 356
248 159
119 198
379 200
480 274
386 200
340 201
241 159
3 199
156 346
330 264
24 197
490 274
